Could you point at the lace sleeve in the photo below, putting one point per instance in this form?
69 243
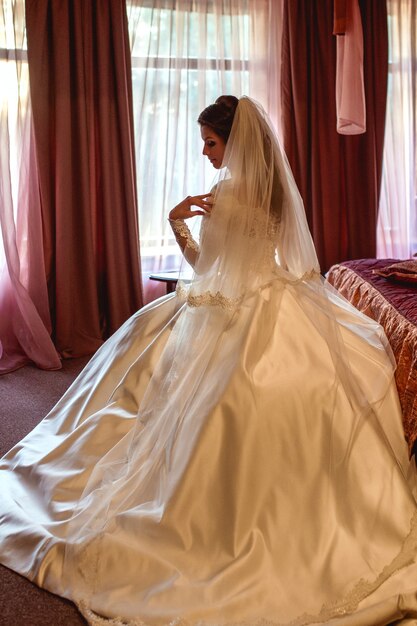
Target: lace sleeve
184 238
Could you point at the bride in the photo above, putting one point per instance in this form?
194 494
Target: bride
234 453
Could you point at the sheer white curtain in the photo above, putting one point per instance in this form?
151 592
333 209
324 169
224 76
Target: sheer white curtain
24 314
185 53
397 220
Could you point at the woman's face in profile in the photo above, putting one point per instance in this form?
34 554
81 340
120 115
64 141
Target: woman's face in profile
214 146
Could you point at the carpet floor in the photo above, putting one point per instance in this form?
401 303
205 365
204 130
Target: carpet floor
26 396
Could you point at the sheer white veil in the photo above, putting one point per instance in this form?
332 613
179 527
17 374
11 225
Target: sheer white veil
258 220
257 235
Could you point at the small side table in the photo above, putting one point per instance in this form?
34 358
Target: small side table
169 277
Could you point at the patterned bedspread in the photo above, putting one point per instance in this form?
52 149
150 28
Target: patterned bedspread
394 306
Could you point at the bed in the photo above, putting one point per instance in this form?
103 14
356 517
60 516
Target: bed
391 299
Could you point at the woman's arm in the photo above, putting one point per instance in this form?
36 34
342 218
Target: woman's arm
177 217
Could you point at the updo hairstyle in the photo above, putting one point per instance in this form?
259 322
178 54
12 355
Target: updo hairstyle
219 116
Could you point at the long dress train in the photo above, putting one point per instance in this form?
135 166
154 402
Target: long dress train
255 527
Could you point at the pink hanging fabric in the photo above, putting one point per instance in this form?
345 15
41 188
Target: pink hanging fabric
350 92
25 323
339 17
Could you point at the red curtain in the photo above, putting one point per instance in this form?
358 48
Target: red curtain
338 176
80 76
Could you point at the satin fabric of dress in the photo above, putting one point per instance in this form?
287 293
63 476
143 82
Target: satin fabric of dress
258 524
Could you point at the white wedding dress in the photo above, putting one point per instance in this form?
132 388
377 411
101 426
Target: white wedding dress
224 460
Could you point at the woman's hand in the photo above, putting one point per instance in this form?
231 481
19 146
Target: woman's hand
183 210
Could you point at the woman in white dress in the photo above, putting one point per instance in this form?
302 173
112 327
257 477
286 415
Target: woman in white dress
234 453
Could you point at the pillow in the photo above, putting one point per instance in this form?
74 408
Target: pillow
403 271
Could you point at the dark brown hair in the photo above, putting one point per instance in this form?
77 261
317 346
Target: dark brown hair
219 116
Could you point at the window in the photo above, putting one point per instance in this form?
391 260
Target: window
185 53
397 220
14 103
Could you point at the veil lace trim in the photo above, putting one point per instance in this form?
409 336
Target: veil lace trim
208 298
339 608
